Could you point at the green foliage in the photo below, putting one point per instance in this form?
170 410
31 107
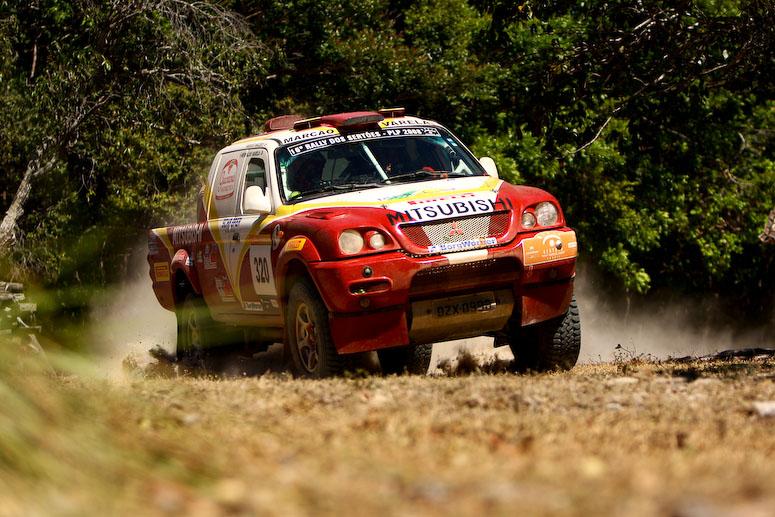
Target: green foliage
652 124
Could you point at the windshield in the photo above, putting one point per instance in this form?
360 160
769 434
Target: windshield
371 159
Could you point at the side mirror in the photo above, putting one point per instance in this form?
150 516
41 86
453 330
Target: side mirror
489 166
255 202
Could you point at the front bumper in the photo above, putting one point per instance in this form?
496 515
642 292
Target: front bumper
378 301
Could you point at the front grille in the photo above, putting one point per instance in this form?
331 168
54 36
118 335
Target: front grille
503 271
457 230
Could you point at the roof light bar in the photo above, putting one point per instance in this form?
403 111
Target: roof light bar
392 112
306 123
282 122
352 119
346 121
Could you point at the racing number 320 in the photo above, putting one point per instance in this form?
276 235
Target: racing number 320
261 269
261 266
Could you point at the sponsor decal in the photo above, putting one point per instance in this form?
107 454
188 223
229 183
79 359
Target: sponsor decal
161 271
253 306
261 270
360 137
227 181
230 224
295 244
401 196
186 235
265 304
549 247
315 133
404 121
224 289
444 207
208 260
469 244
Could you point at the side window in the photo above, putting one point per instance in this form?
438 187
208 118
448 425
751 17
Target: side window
223 199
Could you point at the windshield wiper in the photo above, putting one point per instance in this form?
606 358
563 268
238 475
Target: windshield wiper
353 186
422 173
326 189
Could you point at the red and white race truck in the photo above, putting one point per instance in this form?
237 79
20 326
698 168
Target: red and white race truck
368 231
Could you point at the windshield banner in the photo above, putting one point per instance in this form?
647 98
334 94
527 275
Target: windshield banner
319 143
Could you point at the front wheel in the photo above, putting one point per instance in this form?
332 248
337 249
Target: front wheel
309 339
413 359
551 345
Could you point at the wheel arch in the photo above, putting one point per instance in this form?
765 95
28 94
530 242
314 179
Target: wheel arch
183 266
294 271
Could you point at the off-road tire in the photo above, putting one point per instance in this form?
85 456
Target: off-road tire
195 329
413 359
310 345
551 345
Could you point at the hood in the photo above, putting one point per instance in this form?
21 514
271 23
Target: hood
432 217
405 197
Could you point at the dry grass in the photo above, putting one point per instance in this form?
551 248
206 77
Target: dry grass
633 438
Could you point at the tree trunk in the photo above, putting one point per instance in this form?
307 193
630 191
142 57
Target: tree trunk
769 230
39 165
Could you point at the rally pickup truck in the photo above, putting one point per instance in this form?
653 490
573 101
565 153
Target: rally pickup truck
368 231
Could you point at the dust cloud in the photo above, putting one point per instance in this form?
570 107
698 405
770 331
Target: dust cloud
128 322
660 326
615 326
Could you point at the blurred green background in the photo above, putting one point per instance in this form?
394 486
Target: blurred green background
653 122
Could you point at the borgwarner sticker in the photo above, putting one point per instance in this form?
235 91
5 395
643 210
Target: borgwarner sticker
443 207
469 244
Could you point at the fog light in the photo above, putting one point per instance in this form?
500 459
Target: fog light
367 272
365 302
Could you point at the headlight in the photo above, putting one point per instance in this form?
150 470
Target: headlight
546 214
350 242
377 241
528 220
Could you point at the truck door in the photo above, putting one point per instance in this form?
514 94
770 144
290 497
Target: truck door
258 293
218 246
243 279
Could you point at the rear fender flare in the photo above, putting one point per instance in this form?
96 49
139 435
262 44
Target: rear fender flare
182 262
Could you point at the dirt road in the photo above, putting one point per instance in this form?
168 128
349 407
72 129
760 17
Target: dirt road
632 439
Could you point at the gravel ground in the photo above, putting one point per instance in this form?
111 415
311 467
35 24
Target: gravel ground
630 438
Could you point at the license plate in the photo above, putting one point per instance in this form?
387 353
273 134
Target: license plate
464 305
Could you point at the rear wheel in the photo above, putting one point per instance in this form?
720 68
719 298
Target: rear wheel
194 328
413 359
309 339
551 345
